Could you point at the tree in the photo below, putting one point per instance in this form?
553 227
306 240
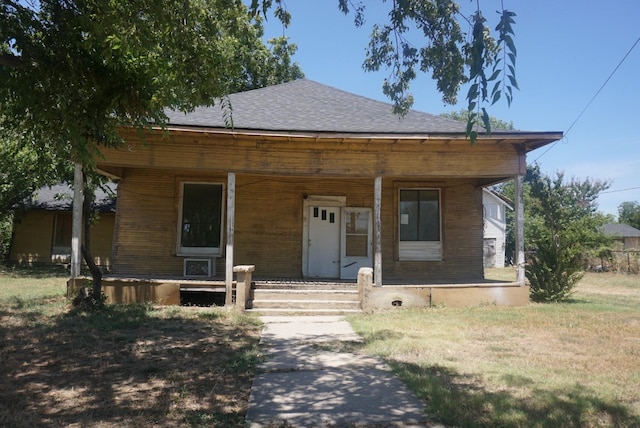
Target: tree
452 55
496 124
629 213
73 71
562 225
23 169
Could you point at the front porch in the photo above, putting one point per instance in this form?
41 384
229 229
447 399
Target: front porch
312 296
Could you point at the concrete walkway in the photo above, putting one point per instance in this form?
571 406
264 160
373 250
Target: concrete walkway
303 383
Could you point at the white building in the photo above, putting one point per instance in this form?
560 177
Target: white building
495 228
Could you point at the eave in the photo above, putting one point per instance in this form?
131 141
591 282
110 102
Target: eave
529 141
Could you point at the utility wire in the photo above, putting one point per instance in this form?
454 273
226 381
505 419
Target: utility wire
593 98
620 190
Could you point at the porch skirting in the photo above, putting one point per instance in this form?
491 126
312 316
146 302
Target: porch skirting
421 295
166 291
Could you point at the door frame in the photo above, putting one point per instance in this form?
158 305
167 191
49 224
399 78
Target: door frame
309 201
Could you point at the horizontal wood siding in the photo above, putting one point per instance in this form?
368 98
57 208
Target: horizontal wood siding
33 238
145 226
269 224
308 156
462 226
102 239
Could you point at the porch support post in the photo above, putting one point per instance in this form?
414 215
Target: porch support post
76 224
519 208
231 208
377 208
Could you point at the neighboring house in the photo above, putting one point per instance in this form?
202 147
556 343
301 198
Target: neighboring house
314 182
627 237
495 227
42 230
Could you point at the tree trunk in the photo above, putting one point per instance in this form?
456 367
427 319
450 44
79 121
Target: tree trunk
96 273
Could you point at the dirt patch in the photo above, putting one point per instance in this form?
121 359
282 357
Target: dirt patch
127 366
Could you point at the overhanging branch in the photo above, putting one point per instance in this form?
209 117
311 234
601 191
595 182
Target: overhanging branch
11 61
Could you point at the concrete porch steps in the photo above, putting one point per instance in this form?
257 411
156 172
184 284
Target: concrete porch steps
304 298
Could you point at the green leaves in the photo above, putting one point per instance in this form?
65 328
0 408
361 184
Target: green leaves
629 213
484 53
562 224
74 71
439 49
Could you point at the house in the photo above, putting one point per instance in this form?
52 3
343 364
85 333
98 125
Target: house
42 229
495 227
626 237
311 183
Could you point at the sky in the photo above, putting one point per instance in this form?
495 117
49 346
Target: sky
566 51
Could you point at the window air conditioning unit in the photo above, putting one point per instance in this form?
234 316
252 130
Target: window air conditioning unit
197 268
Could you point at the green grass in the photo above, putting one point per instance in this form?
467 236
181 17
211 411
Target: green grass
128 365
573 364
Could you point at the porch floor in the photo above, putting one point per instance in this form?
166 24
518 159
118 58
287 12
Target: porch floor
305 282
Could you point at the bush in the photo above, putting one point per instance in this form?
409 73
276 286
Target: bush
563 227
552 273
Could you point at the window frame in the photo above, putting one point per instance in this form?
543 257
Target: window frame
199 251
416 250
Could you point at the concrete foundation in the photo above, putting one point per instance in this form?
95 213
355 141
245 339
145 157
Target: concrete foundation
395 296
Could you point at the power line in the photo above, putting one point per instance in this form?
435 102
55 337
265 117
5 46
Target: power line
593 98
620 190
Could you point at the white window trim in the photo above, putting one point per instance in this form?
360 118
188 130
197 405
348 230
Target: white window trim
199 251
420 250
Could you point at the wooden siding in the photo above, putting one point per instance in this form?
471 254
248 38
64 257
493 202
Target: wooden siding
268 224
312 157
33 238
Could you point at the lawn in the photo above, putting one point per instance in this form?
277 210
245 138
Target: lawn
134 365
573 364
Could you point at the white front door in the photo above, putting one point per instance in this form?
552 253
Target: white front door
324 242
356 240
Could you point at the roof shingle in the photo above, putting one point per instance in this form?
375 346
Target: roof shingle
305 105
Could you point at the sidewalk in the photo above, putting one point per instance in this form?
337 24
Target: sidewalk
301 385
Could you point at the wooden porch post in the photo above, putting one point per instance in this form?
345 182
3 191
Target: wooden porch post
231 208
520 261
76 225
377 263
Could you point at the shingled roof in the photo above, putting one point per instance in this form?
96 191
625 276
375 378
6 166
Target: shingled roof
616 230
304 105
59 197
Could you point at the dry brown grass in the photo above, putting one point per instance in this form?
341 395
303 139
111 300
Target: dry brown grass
570 364
127 366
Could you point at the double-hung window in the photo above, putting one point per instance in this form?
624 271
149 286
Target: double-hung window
419 228
200 222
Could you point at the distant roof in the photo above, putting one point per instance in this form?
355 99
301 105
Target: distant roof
620 231
59 197
500 197
307 106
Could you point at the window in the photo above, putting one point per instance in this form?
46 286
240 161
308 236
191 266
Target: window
62 231
200 225
356 233
419 218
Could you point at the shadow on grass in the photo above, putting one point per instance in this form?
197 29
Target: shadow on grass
460 400
129 365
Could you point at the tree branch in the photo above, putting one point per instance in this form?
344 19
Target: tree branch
11 61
